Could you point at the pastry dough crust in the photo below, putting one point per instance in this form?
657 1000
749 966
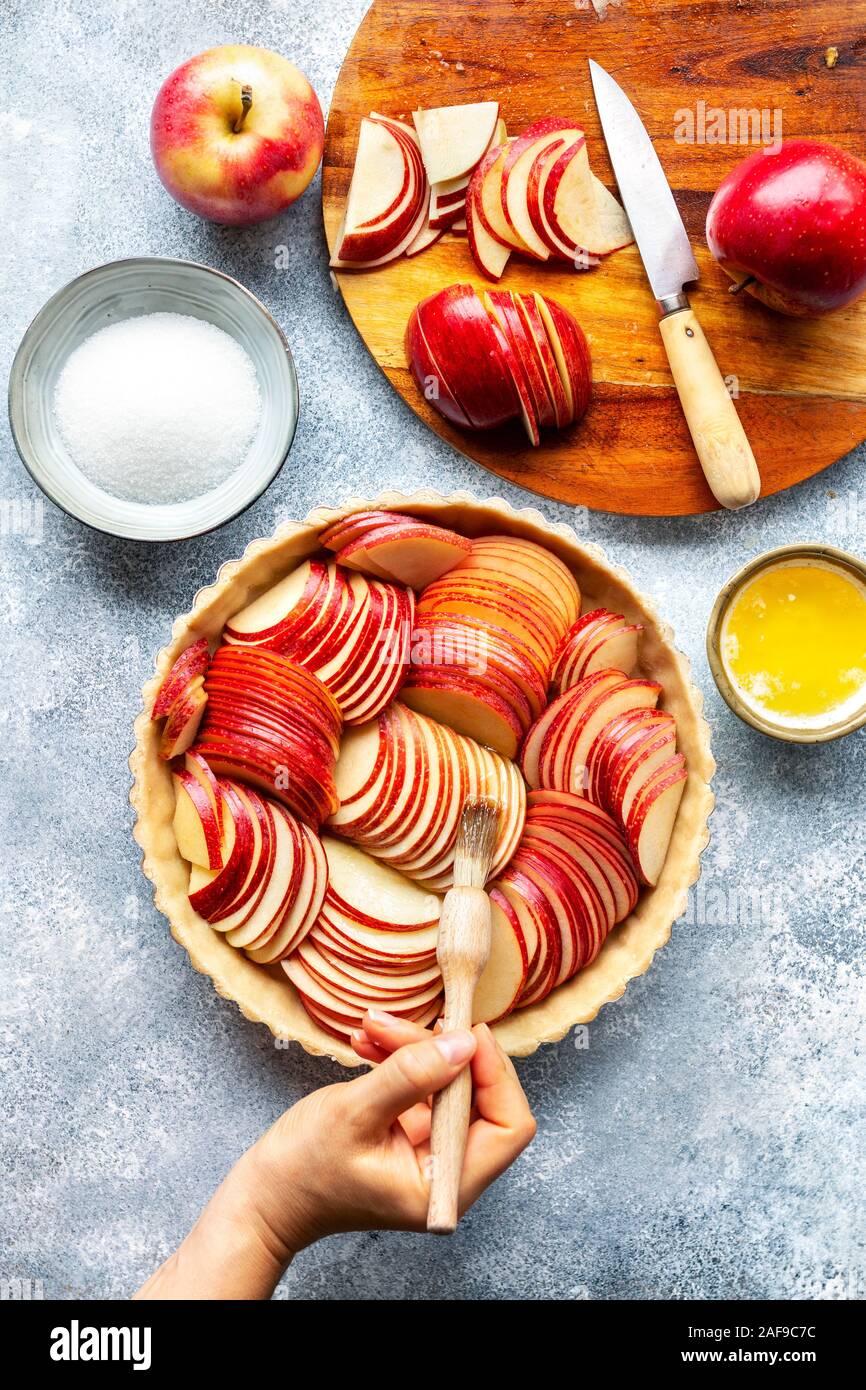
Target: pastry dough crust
263 994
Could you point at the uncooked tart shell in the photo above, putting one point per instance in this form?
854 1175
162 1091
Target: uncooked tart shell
264 994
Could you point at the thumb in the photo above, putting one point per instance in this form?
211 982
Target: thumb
412 1073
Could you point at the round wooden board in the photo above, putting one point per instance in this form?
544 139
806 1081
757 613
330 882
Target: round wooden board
801 385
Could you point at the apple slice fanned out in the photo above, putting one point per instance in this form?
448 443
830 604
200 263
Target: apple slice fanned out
395 248
454 138
539 140
485 195
582 214
598 641
197 823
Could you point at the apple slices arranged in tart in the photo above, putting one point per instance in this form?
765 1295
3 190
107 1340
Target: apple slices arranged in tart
402 781
351 632
489 682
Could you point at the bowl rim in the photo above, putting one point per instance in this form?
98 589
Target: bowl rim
768 559
15 394
629 949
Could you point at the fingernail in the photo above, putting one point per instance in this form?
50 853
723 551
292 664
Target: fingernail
456 1047
380 1016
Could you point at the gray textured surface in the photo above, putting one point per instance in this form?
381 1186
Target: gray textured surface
710 1140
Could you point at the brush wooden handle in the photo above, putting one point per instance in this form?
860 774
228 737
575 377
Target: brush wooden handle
463 948
716 429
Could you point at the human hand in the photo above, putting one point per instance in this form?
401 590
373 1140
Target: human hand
349 1157
354 1156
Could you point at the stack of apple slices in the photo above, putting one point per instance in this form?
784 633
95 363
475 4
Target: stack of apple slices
402 781
270 722
389 196
256 873
373 945
567 886
604 738
395 547
482 361
181 700
536 195
490 628
351 632
598 641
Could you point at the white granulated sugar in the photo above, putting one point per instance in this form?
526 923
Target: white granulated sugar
158 409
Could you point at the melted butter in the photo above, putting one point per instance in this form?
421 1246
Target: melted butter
794 643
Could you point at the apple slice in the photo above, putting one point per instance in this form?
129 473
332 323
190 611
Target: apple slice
462 340
408 552
537 334
380 176
652 818
503 977
580 210
570 352
196 824
521 382
540 138
489 253
454 138
466 707
393 247
428 236
428 375
191 663
514 325
183 721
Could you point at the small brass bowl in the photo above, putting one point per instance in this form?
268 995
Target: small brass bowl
763 722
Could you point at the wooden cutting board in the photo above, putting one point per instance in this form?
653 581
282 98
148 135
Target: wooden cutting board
801 385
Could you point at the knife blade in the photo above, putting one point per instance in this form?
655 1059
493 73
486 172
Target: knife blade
655 219
717 432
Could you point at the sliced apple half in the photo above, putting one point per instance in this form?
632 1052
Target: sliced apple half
454 138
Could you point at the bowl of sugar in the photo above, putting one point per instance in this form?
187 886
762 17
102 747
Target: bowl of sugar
153 399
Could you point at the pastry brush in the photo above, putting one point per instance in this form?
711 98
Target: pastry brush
462 952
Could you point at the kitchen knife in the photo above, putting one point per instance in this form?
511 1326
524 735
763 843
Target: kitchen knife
718 435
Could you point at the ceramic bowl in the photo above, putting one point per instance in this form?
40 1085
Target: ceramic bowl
122 290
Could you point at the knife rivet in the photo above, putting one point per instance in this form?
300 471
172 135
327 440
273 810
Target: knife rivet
690 332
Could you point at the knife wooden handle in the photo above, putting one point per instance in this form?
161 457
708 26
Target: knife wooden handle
719 438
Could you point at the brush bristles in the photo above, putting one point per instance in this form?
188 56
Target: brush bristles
476 841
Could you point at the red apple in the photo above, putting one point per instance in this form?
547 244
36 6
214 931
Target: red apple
791 225
236 134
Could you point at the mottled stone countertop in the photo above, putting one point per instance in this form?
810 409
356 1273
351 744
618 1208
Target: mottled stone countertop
710 1139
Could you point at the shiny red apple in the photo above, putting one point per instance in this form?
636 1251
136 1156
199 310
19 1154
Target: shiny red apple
236 134
795 221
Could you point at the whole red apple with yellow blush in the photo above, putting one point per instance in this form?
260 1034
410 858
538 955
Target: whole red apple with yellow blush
236 134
